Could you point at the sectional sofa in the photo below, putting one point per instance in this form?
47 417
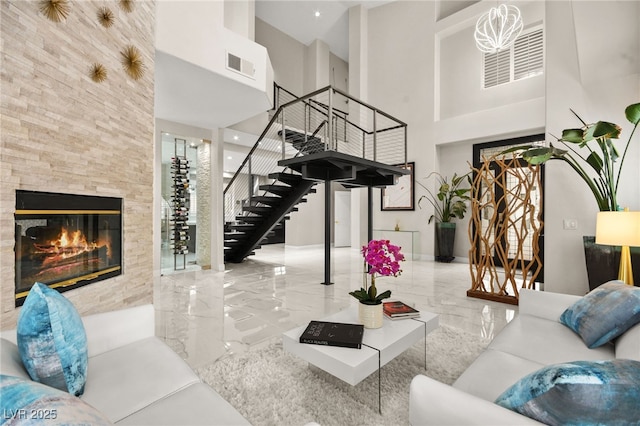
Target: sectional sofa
133 378
534 339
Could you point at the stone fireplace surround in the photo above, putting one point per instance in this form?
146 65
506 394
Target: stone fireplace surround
63 132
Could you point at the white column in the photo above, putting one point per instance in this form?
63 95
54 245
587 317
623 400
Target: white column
358 87
203 215
217 202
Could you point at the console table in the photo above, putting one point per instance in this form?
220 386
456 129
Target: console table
402 238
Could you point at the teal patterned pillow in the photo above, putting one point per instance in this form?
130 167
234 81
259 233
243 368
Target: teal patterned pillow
604 313
25 402
52 341
580 392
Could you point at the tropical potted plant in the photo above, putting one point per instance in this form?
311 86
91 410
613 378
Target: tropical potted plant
380 258
591 153
449 203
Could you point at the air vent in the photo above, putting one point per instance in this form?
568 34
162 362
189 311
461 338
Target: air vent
240 65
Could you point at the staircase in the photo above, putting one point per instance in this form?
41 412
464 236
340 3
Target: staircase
319 143
264 213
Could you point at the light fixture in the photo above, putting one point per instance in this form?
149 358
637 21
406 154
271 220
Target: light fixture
620 229
498 28
235 137
317 13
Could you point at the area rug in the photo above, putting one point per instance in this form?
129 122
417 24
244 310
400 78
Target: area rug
272 387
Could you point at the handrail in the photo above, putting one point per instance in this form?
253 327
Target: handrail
252 150
364 104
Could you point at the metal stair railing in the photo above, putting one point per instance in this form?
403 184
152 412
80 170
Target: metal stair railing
355 128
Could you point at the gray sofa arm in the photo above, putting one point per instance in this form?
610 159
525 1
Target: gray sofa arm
434 403
544 304
114 329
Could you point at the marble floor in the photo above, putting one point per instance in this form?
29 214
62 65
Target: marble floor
205 315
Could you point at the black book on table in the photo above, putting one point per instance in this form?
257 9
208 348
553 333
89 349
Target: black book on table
333 334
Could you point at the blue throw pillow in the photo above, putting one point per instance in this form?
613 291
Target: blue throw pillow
25 402
52 341
580 392
604 313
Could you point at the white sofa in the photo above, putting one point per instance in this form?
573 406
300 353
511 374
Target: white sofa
133 377
534 339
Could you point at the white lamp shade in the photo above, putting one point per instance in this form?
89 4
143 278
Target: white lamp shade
618 228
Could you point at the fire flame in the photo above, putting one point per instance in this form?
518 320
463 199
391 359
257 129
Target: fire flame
70 244
77 241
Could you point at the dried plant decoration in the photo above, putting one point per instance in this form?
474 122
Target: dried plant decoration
105 17
132 62
98 72
127 5
56 10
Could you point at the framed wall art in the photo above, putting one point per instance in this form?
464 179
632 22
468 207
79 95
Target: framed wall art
400 196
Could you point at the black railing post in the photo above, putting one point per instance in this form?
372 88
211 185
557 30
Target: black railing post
369 213
375 137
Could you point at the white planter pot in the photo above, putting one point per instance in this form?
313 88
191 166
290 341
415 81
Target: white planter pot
370 315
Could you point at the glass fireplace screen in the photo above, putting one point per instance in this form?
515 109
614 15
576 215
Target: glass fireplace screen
66 241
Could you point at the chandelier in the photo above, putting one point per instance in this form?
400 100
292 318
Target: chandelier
498 28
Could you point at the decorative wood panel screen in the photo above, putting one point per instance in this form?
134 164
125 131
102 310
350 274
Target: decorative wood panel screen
504 229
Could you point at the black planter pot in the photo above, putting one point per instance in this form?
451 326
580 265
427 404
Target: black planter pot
445 237
603 262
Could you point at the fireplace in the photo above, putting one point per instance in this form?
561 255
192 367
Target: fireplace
66 241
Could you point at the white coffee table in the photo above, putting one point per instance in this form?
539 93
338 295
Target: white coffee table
379 346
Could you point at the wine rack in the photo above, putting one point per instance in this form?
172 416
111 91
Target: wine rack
180 204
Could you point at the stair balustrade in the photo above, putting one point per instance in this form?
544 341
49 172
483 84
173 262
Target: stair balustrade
260 196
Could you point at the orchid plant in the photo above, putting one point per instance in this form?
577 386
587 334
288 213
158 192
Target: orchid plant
381 258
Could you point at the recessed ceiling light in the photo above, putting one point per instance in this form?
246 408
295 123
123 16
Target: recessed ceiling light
229 158
317 13
235 137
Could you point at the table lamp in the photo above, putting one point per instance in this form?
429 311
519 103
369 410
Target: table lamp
621 228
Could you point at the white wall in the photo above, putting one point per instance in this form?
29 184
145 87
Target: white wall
400 82
460 73
239 17
565 195
401 75
338 73
194 32
287 56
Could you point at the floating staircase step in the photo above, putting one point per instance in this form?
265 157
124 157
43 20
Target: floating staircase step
288 178
250 219
233 244
281 190
306 144
263 199
259 210
243 227
234 235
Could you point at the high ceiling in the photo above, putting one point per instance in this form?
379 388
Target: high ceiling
298 20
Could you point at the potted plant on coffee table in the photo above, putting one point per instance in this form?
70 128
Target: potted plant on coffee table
380 258
449 203
592 154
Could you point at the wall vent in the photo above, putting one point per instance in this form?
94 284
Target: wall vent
240 65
